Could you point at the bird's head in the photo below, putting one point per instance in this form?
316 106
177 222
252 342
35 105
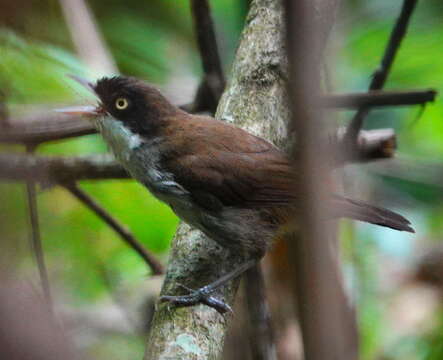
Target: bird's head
128 111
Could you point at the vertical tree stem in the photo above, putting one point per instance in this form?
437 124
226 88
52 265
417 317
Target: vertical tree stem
35 238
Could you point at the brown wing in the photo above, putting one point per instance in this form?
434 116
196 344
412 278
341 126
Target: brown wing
225 165
240 180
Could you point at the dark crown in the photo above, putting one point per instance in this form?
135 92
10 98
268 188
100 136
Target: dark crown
146 109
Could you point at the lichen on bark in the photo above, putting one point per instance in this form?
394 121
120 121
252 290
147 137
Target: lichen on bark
256 95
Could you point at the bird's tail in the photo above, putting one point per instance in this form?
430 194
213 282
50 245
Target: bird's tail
359 210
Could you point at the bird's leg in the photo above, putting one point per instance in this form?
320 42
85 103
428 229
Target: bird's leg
202 295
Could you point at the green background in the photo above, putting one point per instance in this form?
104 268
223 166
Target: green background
154 40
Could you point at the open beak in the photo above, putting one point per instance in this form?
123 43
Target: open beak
87 111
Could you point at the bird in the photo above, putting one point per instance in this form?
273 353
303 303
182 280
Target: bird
237 188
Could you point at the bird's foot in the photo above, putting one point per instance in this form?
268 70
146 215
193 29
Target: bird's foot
199 296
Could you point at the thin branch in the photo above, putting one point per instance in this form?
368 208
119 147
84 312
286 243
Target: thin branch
381 74
378 98
52 170
35 240
127 237
397 35
213 83
45 127
261 335
206 39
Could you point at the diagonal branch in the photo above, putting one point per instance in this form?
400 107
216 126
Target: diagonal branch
213 83
381 74
127 237
87 38
207 41
397 35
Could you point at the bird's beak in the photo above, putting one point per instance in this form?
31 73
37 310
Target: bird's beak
87 111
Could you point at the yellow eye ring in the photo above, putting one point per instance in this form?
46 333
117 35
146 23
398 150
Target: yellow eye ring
121 103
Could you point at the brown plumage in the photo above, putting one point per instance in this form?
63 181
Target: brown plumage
235 187
245 171
225 175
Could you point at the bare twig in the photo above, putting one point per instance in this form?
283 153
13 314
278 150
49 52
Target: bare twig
45 127
381 74
128 238
378 98
397 35
320 296
261 334
213 83
50 170
207 41
35 239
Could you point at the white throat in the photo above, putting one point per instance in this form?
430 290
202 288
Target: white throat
120 138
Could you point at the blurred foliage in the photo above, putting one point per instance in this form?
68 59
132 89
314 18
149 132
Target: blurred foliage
154 40
375 253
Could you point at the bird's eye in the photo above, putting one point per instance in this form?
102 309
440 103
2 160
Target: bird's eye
121 103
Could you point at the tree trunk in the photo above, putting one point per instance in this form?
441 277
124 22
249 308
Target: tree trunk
254 100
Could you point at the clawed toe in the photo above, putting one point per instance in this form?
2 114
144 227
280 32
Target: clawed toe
196 297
